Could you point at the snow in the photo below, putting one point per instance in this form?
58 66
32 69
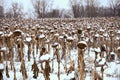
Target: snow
105 34
56 34
18 30
52 31
102 62
47 41
102 30
56 43
118 31
88 27
71 75
97 49
45 57
111 69
10 33
41 31
1 66
69 38
111 78
42 36
4 48
117 38
83 42
28 39
97 35
1 32
61 37
118 48
112 53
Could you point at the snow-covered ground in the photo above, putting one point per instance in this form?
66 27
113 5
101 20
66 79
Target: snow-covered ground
112 71
62 35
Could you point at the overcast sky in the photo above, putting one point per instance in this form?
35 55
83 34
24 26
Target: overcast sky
61 4
56 3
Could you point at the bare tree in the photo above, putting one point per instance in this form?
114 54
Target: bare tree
75 6
1 12
118 9
83 8
91 8
1 9
41 7
9 14
55 13
114 4
17 9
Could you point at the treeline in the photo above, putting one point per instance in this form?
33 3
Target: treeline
78 8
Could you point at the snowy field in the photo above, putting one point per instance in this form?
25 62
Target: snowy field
112 71
61 38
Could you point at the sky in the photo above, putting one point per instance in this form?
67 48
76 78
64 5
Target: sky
65 3
59 4
56 3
